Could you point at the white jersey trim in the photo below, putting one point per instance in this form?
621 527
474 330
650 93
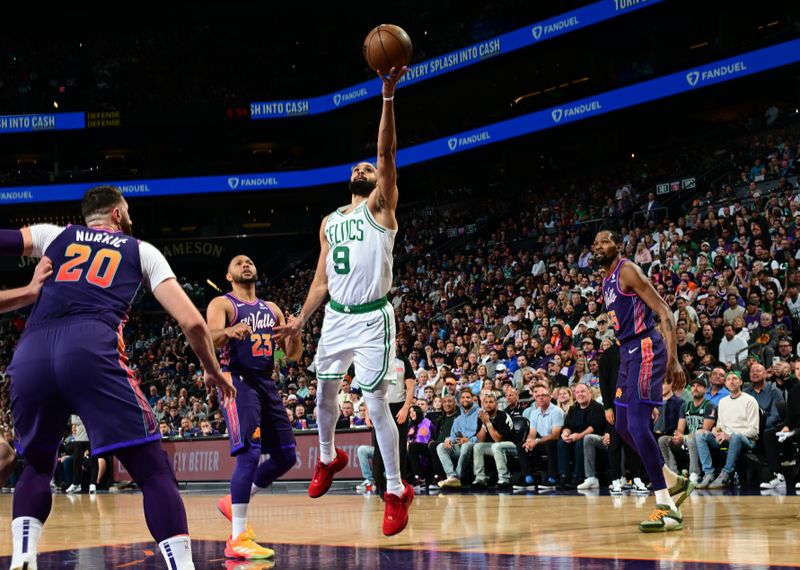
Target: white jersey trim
155 267
42 235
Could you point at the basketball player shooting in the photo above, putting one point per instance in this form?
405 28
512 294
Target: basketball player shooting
355 267
646 357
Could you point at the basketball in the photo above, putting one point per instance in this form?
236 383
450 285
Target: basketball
387 46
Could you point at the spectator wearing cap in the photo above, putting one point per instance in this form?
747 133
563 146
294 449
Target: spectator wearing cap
732 348
603 330
588 347
450 386
752 315
782 320
700 416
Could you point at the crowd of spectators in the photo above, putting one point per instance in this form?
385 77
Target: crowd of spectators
514 307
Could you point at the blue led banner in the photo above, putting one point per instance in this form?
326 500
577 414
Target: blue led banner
42 122
506 43
647 91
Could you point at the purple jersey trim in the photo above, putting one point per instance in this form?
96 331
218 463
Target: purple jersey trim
622 262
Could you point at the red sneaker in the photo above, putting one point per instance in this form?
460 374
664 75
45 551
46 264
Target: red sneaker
395 514
323 474
225 507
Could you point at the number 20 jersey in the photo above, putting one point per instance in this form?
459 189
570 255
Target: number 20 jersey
96 272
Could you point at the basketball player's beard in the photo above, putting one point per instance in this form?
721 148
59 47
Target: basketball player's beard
362 187
244 280
126 226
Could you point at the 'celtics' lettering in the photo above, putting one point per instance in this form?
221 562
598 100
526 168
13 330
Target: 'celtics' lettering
348 230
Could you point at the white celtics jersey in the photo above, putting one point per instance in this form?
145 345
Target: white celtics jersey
359 261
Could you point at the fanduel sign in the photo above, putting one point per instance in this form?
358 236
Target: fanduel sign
648 91
575 111
505 43
695 78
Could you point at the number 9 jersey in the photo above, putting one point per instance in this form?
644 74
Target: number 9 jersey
96 272
359 262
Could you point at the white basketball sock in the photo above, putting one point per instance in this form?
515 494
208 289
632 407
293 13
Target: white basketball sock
327 415
387 436
25 534
238 519
663 498
177 552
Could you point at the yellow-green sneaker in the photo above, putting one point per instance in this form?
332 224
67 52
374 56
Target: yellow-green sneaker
663 519
683 487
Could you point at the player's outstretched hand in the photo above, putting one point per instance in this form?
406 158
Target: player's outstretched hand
293 327
390 80
215 379
43 271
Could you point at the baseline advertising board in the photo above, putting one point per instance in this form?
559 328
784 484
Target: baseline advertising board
209 459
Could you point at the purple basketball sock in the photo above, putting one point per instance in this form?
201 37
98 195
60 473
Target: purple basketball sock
32 497
149 466
633 425
280 461
243 473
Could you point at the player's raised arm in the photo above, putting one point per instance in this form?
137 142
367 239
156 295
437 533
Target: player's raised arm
316 293
385 197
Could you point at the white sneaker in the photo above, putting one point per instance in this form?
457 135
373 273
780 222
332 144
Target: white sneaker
777 481
797 486
450 483
589 483
73 489
364 486
694 478
92 489
616 486
639 488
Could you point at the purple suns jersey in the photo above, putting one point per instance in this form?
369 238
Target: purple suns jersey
96 272
254 353
629 315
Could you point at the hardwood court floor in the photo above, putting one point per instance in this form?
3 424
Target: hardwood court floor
445 531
